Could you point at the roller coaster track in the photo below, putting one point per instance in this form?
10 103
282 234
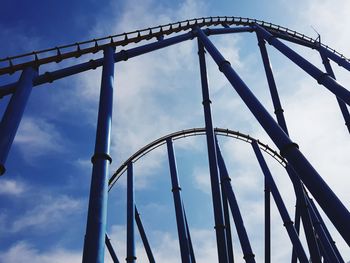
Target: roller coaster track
10 65
192 132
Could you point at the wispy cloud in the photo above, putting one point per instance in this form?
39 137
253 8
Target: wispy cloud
202 179
24 252
11 187
37 137
49 213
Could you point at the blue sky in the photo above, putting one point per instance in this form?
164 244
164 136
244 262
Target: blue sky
43 195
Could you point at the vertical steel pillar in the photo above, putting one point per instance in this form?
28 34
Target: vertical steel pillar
297 229
267 207
14 112
144 237
315 256
305 216
320 76
288 223
343 108
130 214
97 213
227 225
324 243
330 203
323 226
248 254
180 218
111 250
214 176
272 85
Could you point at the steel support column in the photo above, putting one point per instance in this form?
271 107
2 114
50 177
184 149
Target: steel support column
180 218
267 208
343 108
227 226
288 223
248 254
324 228
214 176
324 243
97 213
111 250
305 216
144 237
272 85
330 203
321 77
297 229
130 216
14 112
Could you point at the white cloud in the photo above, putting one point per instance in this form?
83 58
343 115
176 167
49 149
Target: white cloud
24 252
49 213
202 179
37 137
84 164
11 187
165 246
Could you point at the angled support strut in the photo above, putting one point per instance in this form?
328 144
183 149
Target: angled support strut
321 77
330 203
14 112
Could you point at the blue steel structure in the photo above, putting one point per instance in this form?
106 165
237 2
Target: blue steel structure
306 181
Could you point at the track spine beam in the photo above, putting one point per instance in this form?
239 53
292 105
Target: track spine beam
93 64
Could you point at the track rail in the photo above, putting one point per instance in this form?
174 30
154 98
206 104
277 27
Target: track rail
187 133
9 65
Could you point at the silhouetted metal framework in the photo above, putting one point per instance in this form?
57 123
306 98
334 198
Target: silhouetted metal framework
305 179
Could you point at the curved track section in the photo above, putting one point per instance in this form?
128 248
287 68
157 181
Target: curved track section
12 64
187 133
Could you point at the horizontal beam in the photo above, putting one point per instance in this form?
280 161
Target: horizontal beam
49 77
59 53
229 30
